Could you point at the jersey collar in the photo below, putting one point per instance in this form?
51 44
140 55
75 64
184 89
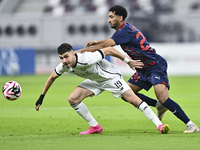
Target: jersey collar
122 25
76 60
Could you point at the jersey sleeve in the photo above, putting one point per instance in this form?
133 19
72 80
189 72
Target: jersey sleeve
119 49
94 57
121 37
59 70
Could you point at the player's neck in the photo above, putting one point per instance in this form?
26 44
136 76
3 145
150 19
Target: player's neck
119 26
75 59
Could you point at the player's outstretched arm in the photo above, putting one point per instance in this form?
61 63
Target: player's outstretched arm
47 85
92 43
113 52
102 44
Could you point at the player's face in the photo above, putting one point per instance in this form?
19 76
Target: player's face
114 20
68 59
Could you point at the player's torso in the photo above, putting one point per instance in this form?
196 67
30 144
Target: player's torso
135 45
100 71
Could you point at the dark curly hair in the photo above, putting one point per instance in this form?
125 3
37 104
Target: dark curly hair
119 10
65 47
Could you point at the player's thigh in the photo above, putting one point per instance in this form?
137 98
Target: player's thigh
159 77
117 86
134 88
139 81
93 86
160 81
130 97
79 94
161 91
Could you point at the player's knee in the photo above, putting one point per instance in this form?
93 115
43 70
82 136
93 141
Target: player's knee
72 100
124 99
163 99
131 101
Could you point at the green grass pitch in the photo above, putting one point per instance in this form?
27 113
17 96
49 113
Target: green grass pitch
56 126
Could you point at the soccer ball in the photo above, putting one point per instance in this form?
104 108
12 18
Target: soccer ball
12 90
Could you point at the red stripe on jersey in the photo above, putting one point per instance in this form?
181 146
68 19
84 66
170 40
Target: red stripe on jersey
122 25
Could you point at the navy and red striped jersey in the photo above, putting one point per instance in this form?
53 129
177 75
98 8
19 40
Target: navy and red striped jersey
135 44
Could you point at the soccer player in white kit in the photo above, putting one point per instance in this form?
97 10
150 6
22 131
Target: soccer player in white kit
100 75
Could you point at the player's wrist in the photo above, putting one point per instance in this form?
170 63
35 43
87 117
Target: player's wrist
126 60
40 100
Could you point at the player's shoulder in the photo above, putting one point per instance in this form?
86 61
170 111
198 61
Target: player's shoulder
60 69
131 27
126 28
87 53
86 57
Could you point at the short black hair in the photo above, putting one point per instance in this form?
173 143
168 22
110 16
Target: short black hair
65 47
119 10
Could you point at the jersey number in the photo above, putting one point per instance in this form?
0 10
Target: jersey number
118 84
142 41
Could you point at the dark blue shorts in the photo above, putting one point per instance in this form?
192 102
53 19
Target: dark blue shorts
156 74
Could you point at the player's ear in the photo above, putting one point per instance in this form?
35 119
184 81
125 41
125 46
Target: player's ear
121 19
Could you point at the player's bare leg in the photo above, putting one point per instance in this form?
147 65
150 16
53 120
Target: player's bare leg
151 102
75 100
162 94
130 97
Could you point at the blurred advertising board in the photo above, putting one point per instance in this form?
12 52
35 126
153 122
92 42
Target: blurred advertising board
17 61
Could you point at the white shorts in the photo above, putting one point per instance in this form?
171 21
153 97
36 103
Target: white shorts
117 86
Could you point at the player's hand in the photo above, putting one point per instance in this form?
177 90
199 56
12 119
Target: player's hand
37 107
135 64
39 102
90 43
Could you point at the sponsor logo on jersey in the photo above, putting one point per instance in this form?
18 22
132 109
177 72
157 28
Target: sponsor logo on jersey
157 77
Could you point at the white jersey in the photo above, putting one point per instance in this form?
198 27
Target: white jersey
91 65
100 74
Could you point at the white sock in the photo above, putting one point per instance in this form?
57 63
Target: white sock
189 123
149 113
158 104
82 110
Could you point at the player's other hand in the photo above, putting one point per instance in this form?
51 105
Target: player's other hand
37 107
135 64
90 43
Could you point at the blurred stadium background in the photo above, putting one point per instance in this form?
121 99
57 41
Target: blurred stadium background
31 30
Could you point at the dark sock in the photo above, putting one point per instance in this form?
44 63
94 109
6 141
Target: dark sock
176 110
148 100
